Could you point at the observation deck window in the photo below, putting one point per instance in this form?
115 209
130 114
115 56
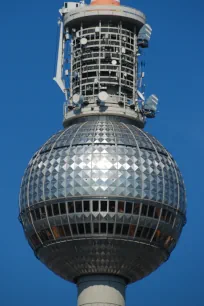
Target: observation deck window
78 206
111 206
132 230
103 228
103 206
110 228
136 209
121 207
62 208
56 209
95 206
58 231
67 230
49 210
118 229
128 208
125 229
74 229
81 228
71 207
144 210
88 228
151 211
86 206
96 228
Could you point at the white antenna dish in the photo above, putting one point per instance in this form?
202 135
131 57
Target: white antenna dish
114 62
77 99
103 96
140 95
84 41
97 29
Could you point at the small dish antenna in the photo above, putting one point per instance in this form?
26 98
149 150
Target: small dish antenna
140 95
84 41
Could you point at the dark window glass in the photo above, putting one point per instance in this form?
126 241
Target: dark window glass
37 212
95 205
172 219
74 229
49 211
81 228
34 239
78 206
61 231
168 216
157 236
62 208
103 205
132 230
49 234
144 210
125 229
56 232
157 213
110 228
163 216
150 234
88 228
139 231
71 207
33 215
118 229
43 235
120 206
67 230
86 206
128 208
151 211
96 228
56 209
112 206
42 212
136 209
103 228
145 232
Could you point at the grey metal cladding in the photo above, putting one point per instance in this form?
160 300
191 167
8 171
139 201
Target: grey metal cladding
103 158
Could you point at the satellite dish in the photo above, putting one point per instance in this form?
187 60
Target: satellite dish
97 29
77 99
140 95
84 41
114 62
103 96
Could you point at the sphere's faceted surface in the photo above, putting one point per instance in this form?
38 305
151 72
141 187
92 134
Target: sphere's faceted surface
102 196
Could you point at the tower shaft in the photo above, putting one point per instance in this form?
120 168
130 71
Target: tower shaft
97 290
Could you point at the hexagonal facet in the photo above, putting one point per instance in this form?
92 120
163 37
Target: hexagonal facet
102 197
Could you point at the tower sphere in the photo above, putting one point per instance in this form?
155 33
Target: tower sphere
102 197
102 202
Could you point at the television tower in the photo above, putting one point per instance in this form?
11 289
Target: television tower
102 203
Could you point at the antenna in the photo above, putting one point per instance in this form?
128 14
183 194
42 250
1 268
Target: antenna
150 107
144 36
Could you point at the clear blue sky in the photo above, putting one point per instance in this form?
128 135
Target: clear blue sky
31 111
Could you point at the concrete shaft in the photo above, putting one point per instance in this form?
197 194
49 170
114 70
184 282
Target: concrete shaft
101 290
